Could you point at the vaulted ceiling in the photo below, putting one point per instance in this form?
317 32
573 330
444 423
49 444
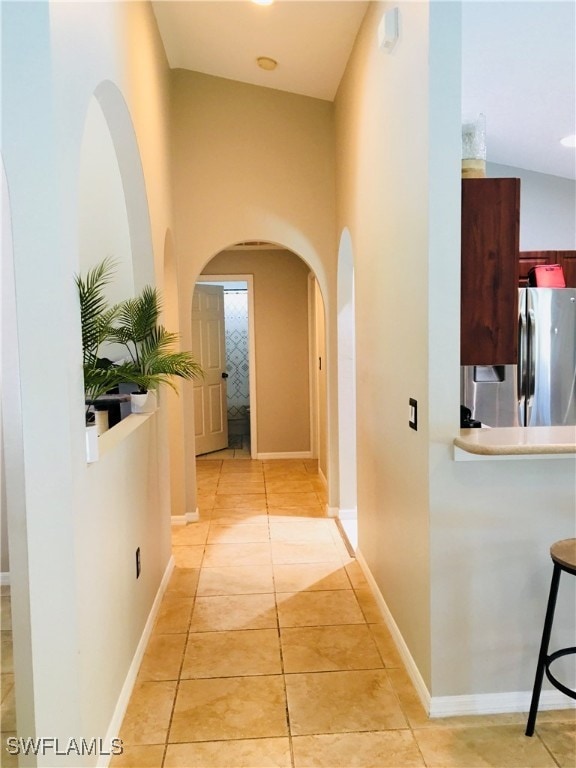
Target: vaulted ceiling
518 61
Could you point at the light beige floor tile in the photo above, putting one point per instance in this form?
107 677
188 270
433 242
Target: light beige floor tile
556 716
503 746
146 756
239 489
188 557
238 533
238 517
8 759
232 654
243 479
163 657
6 652
300 577
5 613
206 501
560 738
282 485
386 646
174 615
288 513
205 468
298 552
323 649
337 702
381 749
229 708
226 454
6 684
241 465
183 582
255 502
302 531
369 606
298 500
240 753
277 464
314 609
191 534
207 482
216 614
8 705
236 580
356 575
148 714
249 553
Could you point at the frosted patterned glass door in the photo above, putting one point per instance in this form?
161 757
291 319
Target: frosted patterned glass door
208 346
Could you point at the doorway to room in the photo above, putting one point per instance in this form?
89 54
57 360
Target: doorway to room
232 412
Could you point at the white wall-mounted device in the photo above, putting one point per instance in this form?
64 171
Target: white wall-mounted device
389 30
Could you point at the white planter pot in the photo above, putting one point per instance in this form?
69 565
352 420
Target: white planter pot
143 403
92 453
101 421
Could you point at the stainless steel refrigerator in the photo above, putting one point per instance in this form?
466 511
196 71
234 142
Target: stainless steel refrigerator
547 357
541 390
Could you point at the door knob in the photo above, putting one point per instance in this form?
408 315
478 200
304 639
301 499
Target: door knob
224 375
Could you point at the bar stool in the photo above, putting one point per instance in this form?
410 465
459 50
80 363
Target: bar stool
563 554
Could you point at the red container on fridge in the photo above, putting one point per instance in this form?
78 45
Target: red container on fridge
547 276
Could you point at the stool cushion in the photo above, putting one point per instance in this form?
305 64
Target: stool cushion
564 553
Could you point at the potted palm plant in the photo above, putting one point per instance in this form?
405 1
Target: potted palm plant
152 359
97 317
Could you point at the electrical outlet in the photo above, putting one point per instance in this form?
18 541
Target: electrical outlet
138 564
413 418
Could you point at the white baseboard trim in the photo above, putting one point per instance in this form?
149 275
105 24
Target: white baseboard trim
331 511
5 579
188 517
496 703
287 455
401 646
348 514
453 706
126 691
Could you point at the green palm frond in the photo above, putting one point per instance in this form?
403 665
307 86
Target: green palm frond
152 359
149 345
96 316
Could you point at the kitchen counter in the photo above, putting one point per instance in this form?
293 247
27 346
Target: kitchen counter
515 443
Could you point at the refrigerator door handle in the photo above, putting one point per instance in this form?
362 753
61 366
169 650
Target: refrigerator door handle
521 370
531 359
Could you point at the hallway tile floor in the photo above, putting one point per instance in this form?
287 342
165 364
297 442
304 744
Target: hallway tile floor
269 650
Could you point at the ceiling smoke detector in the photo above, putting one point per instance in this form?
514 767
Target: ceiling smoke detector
265 62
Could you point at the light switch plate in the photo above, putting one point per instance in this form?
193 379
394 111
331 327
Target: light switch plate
413 419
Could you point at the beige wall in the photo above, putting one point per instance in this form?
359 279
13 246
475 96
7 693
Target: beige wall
78 610
281 342
459 551
382 161
250 163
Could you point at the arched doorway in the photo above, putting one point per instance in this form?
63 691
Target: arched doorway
291 420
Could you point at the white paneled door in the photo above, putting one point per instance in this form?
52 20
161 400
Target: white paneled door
209 348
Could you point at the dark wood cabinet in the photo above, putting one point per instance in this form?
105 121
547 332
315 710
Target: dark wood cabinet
490 268
529 259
